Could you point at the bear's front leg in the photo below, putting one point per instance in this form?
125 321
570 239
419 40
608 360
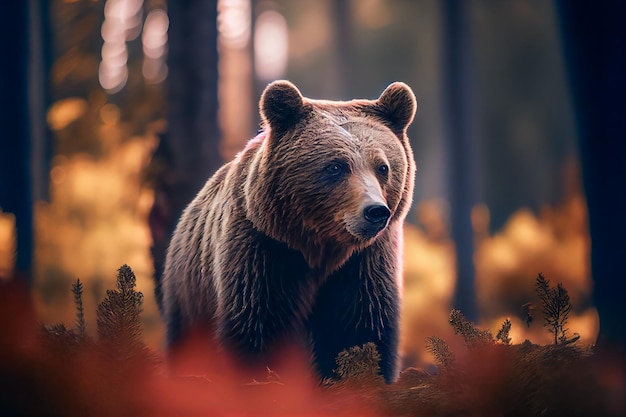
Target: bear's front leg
264 297
360 303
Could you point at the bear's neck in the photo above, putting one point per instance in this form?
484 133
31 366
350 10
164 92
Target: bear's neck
326 259
322 259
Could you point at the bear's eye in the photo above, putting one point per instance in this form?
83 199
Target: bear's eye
335 169
383 169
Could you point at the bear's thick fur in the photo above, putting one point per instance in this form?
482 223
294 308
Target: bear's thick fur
299 238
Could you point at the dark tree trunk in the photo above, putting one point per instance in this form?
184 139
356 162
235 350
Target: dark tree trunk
24 145
460 147
342 49
15 174
189 152
594 36
39 96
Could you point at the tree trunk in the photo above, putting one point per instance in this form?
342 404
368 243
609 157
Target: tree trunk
594 37
15 184
189 152
342 49
461 147
24 147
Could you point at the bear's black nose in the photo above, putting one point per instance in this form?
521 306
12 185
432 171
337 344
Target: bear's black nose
376 213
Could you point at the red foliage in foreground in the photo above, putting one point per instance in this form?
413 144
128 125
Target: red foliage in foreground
42 375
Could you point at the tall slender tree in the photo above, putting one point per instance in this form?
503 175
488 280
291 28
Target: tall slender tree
189 151
15 176
24 144
594 45
460 144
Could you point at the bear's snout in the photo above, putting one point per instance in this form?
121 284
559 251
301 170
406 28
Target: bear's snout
377 214
373 214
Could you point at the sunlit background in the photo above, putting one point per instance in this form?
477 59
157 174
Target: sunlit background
108 78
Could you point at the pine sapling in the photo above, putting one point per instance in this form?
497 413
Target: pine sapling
441 352
359 364
503 333
473 336
556 309
118 317
81 327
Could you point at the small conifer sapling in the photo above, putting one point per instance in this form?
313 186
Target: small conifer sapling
81 327
473 336
441 352
556 309
503 333
118 317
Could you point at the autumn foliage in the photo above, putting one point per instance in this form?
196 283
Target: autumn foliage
56 370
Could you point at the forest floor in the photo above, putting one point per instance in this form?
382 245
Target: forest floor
60 371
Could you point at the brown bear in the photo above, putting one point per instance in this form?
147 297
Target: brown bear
299 238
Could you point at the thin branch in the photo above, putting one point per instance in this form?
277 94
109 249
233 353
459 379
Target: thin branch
81 327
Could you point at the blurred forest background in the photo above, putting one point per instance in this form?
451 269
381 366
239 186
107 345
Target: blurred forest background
119 110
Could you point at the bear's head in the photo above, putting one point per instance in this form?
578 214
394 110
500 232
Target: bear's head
330 176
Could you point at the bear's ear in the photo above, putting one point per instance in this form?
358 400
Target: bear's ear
282 105
397 105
